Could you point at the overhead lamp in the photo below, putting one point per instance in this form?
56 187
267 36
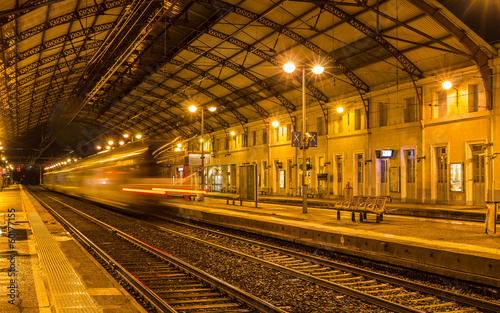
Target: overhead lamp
289 67
447 85
121 142
177 149
318 69
179 145
275 124
340 109
192 108
98 147
68 160
108 147
125 136
138 136
110 142
232 133
212 109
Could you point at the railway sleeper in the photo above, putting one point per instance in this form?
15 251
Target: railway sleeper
174 286
207 294
206 307
372 287
362 282
206 300
169 277
428 299
301 264
436 305
329 273
401 295
295 261
307 268
278 257
385 291
177 291
341 280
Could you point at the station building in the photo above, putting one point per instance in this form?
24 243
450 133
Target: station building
415 142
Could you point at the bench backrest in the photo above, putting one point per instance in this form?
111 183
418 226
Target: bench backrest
355 201
381 203
362 202
339 201
370 203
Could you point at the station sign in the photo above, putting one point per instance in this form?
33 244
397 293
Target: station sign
313 139
296 139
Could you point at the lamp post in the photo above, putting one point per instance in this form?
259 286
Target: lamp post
193 109
317 69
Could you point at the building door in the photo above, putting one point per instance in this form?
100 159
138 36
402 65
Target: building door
478 174
411 193
384 177
290 177
442 175
338 162
359 179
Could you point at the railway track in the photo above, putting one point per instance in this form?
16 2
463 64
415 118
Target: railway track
164 283
380 289
388 292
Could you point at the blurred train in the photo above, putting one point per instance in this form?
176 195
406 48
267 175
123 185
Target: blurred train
133 177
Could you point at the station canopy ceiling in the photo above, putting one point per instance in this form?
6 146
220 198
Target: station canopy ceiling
76 71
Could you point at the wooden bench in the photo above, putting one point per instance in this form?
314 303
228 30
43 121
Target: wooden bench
361 205
263 191
234 200
311 193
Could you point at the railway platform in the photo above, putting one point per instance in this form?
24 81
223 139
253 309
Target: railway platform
43 269
452 247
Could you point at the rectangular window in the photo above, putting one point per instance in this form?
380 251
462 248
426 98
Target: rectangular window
340 125
226 146
473 98
321 125
442 103
264 136
282 134
254 135
410 110
382 114
266 172
357 119
383 171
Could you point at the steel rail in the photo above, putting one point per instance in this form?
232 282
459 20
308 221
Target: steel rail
249 299
147 293
481 304
319 281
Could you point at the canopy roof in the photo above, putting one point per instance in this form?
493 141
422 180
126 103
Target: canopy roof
74 70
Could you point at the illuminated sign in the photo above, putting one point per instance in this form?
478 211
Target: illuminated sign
386 153
456 177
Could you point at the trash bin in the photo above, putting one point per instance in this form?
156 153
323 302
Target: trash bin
491 217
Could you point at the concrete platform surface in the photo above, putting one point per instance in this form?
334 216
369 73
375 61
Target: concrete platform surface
43 269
